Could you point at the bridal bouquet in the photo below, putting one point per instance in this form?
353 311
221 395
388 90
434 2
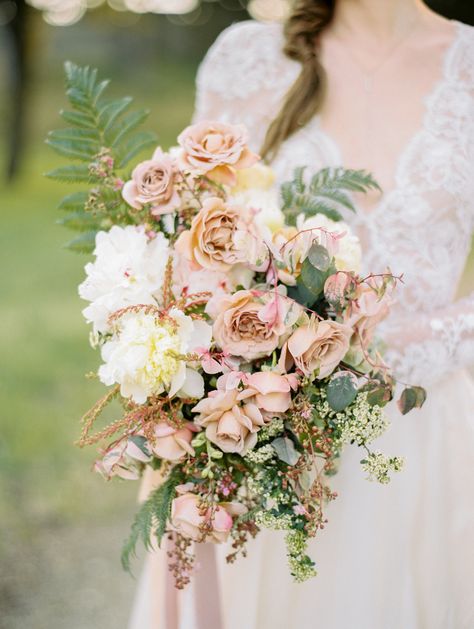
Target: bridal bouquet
234 326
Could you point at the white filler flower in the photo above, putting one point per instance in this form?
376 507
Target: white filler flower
147 355
128 270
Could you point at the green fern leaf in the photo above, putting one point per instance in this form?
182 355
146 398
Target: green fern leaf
109 112
138 143
81 221
128 124
83 150
79 119
74 202
74 173
85 243
152 518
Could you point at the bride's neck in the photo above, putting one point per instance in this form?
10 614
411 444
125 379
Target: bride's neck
379 19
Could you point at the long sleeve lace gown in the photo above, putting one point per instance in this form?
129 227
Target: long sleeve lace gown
392 557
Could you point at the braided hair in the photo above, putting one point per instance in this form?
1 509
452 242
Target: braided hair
307 20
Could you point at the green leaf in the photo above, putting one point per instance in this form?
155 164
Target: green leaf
379 396
326 193
128 124
301 294
312 278
79 119
319 257
286 451
75 201
110 111
80 221
75 149
412 397
74 133
84 243
341 391
75 173
152 518
136 144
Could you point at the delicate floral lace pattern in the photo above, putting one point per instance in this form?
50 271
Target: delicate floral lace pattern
421 228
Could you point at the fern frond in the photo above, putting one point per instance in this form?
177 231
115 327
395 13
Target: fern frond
74 173
152 518
84 243
327 192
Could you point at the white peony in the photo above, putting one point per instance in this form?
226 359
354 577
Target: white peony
147 355
128 270
349 254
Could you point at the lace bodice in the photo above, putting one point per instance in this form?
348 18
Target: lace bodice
420 228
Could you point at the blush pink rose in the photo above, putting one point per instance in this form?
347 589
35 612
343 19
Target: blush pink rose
188 520
239 329
230 425
216 149
270 391
318 346
153 182
172 443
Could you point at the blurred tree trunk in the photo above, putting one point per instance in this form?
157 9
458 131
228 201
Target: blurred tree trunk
18 29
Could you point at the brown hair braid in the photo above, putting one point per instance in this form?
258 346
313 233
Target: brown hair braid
306 21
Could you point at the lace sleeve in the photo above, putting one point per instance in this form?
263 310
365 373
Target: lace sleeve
243 78
426 347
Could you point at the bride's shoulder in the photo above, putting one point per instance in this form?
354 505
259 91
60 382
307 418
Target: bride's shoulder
245 58
463 54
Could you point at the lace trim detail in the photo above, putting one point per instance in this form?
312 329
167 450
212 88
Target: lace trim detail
422 227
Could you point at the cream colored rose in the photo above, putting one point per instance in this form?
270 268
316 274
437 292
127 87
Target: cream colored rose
153 182
239 329
216 149
187 518
222 236
230 425
318 346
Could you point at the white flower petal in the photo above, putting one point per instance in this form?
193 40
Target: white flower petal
193 386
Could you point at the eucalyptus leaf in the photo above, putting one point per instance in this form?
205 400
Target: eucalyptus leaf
319 257
312 278
286 451
411 397
341 391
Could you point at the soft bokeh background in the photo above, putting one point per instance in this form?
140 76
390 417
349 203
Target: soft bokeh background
61 527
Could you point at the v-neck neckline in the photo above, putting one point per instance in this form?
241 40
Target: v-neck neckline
314 129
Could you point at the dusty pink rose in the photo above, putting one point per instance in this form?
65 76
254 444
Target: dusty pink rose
270 391
239 330
187 519
216 149
172 443
319 345
153 182
229 424
220 237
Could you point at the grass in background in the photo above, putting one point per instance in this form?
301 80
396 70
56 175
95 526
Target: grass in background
61 526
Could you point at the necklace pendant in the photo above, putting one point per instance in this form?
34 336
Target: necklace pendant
368 84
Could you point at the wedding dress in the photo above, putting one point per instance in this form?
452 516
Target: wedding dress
392 557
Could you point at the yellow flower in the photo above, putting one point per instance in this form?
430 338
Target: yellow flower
258 177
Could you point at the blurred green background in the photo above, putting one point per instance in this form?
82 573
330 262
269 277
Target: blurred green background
60 528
